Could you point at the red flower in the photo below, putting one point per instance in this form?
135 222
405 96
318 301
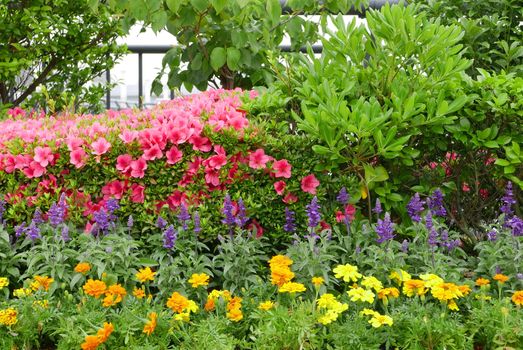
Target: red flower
350 211
465 187
258 159
290 198
114 189
78 157
309 184
256 227
153 153
174 155
340 216
123 162
282 168
138 167
324 225
280 187
137 195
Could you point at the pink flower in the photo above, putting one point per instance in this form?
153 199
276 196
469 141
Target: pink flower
9 163
290 198
255 226
339 216
200 143
350 211
309 184
258 159
174 155
123 162
128 136
212 177
100 146
34 170
138 167
217 161
153 153
43 155
465 187
74 143
282 168
78 157
280 187
137 194
114 189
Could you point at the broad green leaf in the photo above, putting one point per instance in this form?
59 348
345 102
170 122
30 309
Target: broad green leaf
218 58
233 58
273 8
219 5
199 5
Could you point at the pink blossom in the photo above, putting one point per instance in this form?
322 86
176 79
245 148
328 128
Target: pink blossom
78 157
137 193
22 161
309 184
114 189
100 146
74 143
34 170
128 136
174 155
258 159
43 155
217 161
200 143
138 168
280 187
153 153
212 177
123 162
282 168
9 163
290 198
465 187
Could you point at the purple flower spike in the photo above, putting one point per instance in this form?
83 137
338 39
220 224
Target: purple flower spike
508 200
343 197
20 229
184 216
428 221
385 229
405 246
196 221
492 235
433 237
242 218
33 232
377 208
112 205
161 223
289 226
415 207
169 237
435 203
516 225
313 212
130 222
65 234
2 209
37 217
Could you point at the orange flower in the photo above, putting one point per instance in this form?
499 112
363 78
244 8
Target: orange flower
412 287
209 305
482 282
281 275
42 282
280 260
500 278
144 275
177 302
139 293
91 343
104 333
465 289
113 295
317 281
151 324
386 293
94 288
517 298
82 267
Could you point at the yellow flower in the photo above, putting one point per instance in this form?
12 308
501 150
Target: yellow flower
379 320
371 282
483 297
235 314
326 301
266 305
360 294
446 292
368 312
22 292
412 287
280 260
329 317
199 279
400 276
94 288
318 281
452 305
139 293
183 317
177 302
500 278
42 303
482 282
431 280
41 282
517 298
348 272
82 268
144 275
4 282
151 324
8 316
192 306
280 275
292 287
465 289
213 296
386 293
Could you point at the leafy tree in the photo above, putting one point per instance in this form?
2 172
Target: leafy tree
58 44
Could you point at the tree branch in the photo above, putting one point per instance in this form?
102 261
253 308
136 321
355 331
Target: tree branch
40 79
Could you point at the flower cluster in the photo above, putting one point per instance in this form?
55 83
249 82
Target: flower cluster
93 341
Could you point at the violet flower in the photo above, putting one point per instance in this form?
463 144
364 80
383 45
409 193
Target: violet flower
20 229
37 217
289 226
196 221
516 225
435 203
161 223
377 208
2 209
313 213
385 229
184 216
343 197
429 224
102 221
405 246
65 234
492 235
169 237
130 222
112 205
508 200
228 212
433 237
415 207
242 218
33 232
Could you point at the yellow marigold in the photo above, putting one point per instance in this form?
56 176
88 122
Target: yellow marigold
280 260
235 314
177 302
281 275
400 276
360 294
371 282
446 291
465 289
379 320
266 305
139 293
82 267
517 298
22 292
183 317
8 316
41 282
348 272
144 275
431 280
4 282
329 317
501 278
151 324
452 305
292 287
326 301
199 279
94 288
482 282
412 287
318 281
42 303
234 302
386 293
368 312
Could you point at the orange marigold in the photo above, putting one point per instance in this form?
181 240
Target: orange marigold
482 282
465 289
151 324
177 302
82 267
517 298
42 282
280 260
104 333
139 293
91 342
94 288
281 275
501 278
414 286
317 281
144 275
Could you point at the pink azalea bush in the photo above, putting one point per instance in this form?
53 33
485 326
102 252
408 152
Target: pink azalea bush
189 150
